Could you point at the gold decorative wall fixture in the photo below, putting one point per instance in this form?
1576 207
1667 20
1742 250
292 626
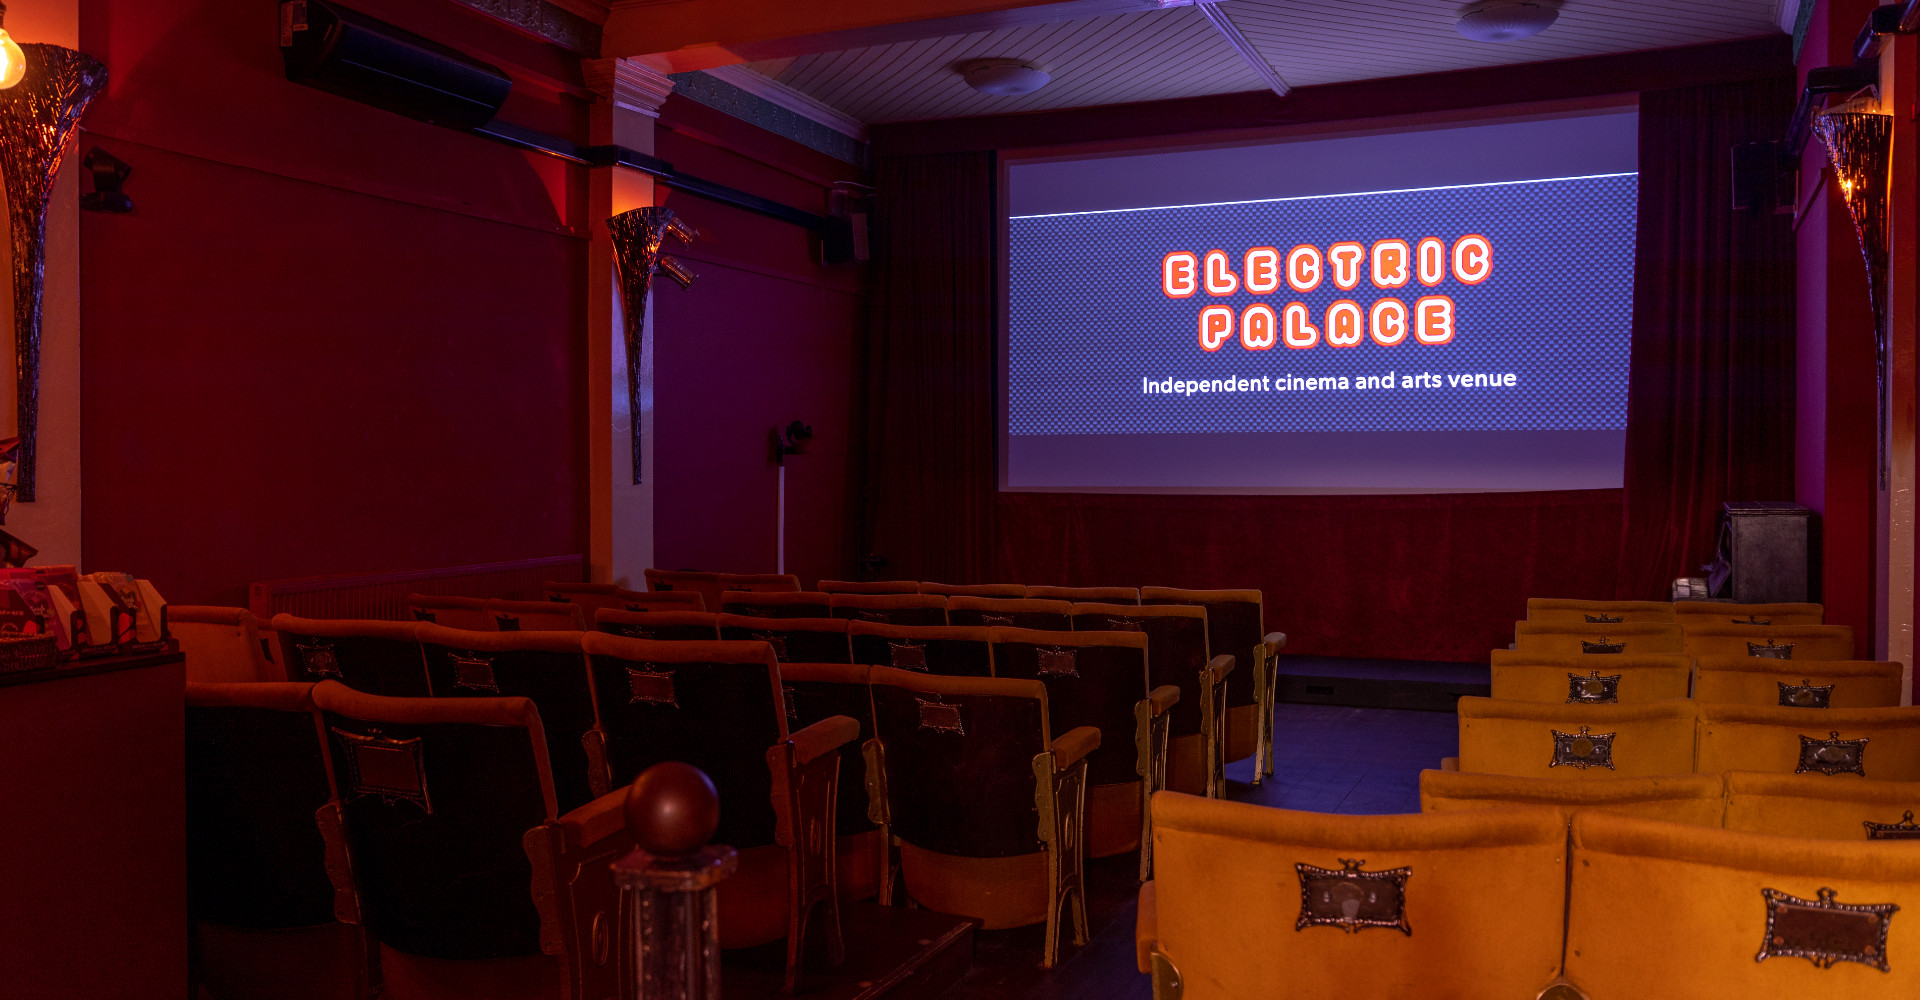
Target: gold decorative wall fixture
1859 145
637 236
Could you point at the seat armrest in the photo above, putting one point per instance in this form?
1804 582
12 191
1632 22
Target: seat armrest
1073 746
822 738
589 825
1274 641
1163 698
1219 667
1146 929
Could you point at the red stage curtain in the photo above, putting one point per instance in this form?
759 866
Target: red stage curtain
1710 399
928 373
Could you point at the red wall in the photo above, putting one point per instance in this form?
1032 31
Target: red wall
765 336
329 339
1835 456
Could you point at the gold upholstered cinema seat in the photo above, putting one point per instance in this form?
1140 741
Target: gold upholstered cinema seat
776 603
1780 642
869 586
1600 680
1681 798
1840 743
1249 901
707 585
890 609
1559 609
1086 595
1724 613
762 583
1811 805
222 645
536 616
1539 740
1011 591
661 626
1755 680
1677 912
1007 612
1627 638
453 612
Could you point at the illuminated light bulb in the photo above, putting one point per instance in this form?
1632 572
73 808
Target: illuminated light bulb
13 62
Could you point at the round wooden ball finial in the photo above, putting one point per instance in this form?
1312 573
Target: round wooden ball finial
672 810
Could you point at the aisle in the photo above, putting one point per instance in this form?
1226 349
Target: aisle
1327 759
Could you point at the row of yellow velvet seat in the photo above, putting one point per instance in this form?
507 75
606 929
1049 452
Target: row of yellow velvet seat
1745 680
1509 902
1538 739
1549 609
1785 642
1788 805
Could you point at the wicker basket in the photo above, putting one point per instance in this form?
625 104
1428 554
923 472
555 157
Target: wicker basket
28 652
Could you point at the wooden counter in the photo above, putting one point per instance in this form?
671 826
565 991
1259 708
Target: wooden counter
93 885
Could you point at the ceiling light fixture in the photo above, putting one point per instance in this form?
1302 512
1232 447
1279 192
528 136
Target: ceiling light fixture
1504 20
1003 77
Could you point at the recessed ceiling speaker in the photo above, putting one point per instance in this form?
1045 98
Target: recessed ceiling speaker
1504 20
1003 77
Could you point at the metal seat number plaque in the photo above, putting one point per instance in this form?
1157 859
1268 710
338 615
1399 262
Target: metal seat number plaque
1832 755
1582 749
1604 619
1352 899
1058 662
1805 694
473 672
1603 646
318 658
1593 689
651 686
1771 651
1824 931
907 655
1906 829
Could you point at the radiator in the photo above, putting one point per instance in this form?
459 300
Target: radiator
384 595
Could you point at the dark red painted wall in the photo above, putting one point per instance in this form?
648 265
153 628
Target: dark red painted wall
1835 454
765 336
330 339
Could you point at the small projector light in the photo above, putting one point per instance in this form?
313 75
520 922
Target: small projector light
1504 20
1003 77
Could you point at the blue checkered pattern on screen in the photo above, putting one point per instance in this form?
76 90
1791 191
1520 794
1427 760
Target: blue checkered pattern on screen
1087 320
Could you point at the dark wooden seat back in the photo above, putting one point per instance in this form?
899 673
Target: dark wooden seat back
1092 679
1176 648
794 640
891 609
256 772
776 604
718 706
817 691
959 756
1086 595
451 611
1005 612
1235 624
435 796
659 626
547 668
377 657
953 650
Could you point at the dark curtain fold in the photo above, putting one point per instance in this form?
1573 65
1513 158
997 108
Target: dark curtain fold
1710 399
928 504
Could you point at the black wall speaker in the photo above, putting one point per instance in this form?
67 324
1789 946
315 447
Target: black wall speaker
348 53
1756 176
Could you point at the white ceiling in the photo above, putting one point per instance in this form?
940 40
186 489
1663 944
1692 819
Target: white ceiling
1174 52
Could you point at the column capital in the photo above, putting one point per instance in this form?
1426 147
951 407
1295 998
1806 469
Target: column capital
628 83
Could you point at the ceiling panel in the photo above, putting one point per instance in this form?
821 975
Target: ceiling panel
1174 52
1098 60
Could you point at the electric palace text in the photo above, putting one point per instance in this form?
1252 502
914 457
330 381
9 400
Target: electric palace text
1388 265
